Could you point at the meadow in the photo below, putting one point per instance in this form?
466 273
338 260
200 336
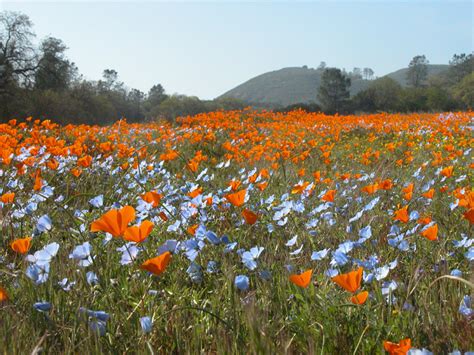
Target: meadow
238 232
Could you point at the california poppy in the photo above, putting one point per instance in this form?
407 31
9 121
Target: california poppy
350 281
430 233
114 221
3 294
139 233
237 198
303 279
360 298
401 215
157 265
400 348
448 171
428 194
152 197
234 184
21 245
7 197
195 193
371 189
329 196
249 216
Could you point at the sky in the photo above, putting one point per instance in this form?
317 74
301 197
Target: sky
207 48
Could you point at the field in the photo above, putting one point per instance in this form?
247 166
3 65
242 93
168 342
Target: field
238 232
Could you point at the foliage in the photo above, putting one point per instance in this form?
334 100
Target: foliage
333 93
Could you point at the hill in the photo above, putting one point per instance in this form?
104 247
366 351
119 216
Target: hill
299 84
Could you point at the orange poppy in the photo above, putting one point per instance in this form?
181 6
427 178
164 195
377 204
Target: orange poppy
402 215
448 171
360 298
303 279
370 189
386 184
8 197
195 193
158 264
152 197
234 184
430 233
329 196
428 194
3 294
350 281
237 198
249 216
114 221
21 245
400 348
138 234
192 229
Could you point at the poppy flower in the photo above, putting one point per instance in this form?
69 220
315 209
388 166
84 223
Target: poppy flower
237 198
303 279
448 171
114 221
402 215
195 193
38 182
249 216
400 348
386 184
370 189
3 294
430 233
21 245
8 197
350 281
152 197
329 196
138 234
428 194
157 265
360 298
234 185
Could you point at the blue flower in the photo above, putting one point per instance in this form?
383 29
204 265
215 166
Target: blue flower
146 324
82 253
241 282
97 201
42 306
44 224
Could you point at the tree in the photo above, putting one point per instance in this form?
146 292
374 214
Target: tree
322 66
333 93
382 95
18 59
460 66
417 71
368 73
55 71
464 91
356 73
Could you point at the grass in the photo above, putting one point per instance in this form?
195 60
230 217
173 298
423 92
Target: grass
213 316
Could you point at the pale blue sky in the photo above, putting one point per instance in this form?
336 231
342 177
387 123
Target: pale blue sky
205 49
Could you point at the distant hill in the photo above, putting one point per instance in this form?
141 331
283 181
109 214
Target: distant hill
299 85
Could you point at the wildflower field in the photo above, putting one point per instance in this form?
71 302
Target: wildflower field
238 232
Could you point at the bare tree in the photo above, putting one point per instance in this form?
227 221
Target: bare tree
18 59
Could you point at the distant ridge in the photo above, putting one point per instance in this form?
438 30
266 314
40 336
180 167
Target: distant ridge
300 85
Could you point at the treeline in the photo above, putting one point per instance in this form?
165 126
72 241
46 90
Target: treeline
42 82
452 89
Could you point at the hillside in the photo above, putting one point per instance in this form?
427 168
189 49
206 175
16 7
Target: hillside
299 84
